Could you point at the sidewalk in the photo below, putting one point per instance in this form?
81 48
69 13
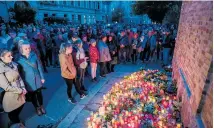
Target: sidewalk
61 113
77 118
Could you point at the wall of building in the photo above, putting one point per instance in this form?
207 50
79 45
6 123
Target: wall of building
4 6
90 12
191 61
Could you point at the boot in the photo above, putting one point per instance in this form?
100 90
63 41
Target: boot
112 68
42 110
21 125
38 111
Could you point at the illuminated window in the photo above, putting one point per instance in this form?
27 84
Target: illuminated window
73 17
72 3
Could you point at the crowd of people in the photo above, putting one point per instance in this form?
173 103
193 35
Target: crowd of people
78 50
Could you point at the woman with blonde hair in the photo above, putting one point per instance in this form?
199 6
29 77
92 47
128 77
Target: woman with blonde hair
32 74
68 71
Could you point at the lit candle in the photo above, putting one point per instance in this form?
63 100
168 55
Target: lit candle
178 125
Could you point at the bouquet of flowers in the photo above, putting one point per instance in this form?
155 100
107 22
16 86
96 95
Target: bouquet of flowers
139 100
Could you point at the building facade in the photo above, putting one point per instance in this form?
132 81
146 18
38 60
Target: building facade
74 11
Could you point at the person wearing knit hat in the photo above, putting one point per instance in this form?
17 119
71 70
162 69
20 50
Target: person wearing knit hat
94 58
86 49
81 62
74 37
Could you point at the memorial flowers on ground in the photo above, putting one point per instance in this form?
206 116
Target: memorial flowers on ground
144 99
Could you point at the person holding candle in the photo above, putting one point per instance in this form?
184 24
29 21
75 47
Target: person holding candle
80 60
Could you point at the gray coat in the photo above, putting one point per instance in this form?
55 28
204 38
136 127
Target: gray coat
12 83
103 52
31 71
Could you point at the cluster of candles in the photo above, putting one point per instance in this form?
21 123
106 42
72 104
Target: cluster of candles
134 103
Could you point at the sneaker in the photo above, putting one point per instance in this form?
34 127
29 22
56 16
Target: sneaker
86 94
21 125
82 96
72 100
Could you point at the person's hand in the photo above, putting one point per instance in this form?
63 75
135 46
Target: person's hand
140 49
113 52
43 81
86 58
24 91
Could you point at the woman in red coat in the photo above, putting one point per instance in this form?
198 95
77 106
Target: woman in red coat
94 57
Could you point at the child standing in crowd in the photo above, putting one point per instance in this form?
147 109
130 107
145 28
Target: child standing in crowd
68 71
94 57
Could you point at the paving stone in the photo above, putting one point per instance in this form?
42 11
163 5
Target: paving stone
92 107
82 115
35 121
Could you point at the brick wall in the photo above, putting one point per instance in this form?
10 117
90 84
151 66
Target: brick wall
193 55
207 112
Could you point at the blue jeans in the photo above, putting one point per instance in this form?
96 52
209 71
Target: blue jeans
166 56
122 54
